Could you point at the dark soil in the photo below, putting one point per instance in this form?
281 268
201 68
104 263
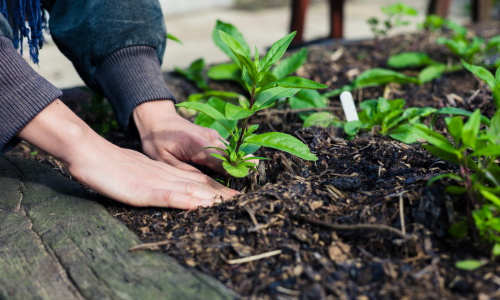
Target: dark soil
310 216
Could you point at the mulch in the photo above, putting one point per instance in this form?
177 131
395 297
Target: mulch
359 223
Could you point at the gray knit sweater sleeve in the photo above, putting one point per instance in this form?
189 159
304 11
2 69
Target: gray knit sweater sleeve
23 94
129 77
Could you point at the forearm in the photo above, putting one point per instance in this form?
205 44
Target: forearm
59 132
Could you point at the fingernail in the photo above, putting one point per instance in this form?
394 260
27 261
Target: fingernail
237 193
217 200
207 203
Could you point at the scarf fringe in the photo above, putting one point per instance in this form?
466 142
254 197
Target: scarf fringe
32 12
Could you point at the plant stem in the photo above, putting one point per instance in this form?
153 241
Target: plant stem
243 129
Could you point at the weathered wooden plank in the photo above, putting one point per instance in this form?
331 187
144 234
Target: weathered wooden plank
57 243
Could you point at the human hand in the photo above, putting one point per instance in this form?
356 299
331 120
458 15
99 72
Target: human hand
120 174
170 138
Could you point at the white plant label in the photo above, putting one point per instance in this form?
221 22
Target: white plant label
349 107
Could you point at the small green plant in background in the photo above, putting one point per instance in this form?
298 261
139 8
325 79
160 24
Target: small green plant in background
262 95
475 151
388 117
374 77
101 112
394 18
474 50
493 81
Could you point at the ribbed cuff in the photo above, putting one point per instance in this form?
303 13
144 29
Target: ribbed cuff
23 94
129 77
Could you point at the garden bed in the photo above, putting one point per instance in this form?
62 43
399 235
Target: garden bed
306 215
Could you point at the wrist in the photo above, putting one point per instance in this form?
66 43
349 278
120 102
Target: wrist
150 114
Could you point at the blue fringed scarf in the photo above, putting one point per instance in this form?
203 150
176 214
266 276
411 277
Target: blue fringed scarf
32 12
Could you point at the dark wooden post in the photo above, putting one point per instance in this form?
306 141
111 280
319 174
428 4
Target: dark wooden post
299 9
439 7
481 10
336 19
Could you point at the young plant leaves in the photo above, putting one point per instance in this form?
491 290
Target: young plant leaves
456 112
209 110
482 73
229 71
470 265
209 122
410 60
322 119
267 97
380 76
295 82
431 72
276 52
232 31
193 73
307 99
239 170
234 112
290 64
285 142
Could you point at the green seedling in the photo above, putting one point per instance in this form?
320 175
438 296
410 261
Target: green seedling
390 118
479 176
394 18
244 141
101 113
374 77
194 74
493 81
323 119
470 50
232 71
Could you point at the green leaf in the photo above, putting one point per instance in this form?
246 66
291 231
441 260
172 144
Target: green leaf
431 72
409 60
352 128
232 31
194 73
457 28
229 71
290 64
404 135
449 175
234 112
496 95
218 156
336 92
237 171
470 265
276 52
482 73
307 99
296 82
496 249
492 197
249 148
454 189
284 142
269 96
210 111
322 119
495 124
456 112
471 129
173 38
377 76
455 128
458 230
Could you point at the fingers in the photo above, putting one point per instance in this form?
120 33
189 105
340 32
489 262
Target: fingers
174 162
169 198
